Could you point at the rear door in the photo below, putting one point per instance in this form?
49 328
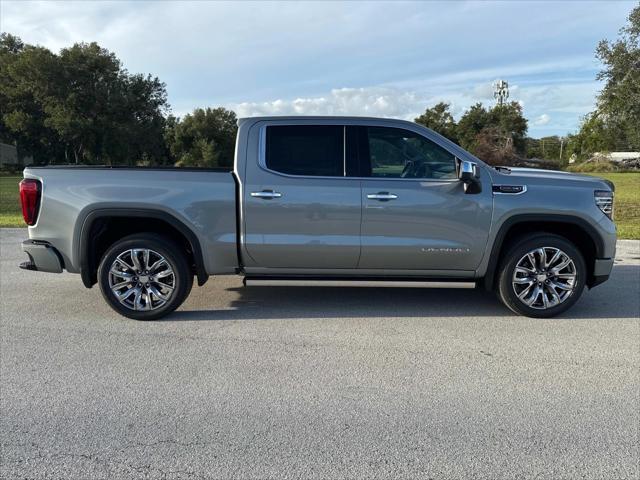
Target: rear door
300 209
416 214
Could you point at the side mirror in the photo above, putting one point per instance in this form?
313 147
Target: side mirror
468 173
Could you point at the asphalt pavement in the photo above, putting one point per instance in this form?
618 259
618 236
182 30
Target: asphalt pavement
299 382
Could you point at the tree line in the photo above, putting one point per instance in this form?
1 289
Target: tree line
81 106
497 134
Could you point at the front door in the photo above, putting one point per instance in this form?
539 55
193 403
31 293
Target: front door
300 210
416 214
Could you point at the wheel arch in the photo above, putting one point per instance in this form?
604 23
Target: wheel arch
94 228
574 229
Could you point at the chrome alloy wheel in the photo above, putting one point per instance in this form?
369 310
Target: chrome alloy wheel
141 279
544 278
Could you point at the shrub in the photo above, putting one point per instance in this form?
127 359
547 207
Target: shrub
604 166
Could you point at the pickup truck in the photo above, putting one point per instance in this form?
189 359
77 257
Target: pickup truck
324 200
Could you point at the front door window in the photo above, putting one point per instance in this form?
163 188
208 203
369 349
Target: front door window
399 153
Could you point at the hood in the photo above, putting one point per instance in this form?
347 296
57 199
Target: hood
552 175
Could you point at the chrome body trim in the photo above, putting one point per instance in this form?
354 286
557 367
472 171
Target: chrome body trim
382 196
267 282
266 194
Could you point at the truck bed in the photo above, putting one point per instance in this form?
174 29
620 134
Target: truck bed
202 200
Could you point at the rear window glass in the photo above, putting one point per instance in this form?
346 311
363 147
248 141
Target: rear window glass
311 150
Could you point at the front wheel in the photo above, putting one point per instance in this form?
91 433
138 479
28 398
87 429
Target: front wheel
542 276
144 276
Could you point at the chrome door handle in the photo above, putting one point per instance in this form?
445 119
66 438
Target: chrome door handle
266 194
382 196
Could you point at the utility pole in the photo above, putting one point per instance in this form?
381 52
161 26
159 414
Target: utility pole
561 145
500 91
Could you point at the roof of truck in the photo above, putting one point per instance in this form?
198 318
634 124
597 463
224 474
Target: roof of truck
320 117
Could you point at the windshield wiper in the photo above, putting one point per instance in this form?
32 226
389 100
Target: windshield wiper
503 169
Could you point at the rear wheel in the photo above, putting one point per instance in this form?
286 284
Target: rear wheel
144 276
542 276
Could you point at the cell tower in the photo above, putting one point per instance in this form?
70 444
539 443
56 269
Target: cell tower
500 91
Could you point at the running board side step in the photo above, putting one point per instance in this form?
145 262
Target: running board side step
302 282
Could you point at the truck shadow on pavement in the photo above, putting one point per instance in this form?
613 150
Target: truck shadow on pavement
617 298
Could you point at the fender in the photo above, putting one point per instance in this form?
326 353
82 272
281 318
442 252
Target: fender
194 243
489 277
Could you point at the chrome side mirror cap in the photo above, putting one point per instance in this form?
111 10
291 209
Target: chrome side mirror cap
468 173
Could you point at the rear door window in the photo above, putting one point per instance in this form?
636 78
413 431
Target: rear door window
308 150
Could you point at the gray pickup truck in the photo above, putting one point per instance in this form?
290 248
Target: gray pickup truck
320 200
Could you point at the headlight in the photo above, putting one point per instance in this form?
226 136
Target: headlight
604 201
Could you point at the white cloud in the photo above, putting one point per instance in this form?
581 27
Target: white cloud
542 120
483 91
374 101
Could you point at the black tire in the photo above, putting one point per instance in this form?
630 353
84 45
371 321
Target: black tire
507 291
182 279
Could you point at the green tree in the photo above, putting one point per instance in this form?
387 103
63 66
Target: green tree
615 124
511 124
619 100
85 103
497 135
439 119
203 138
473 121
80 106
595 135
146 104
24 70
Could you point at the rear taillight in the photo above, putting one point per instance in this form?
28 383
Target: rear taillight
30 199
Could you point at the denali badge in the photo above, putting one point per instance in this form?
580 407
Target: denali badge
510 189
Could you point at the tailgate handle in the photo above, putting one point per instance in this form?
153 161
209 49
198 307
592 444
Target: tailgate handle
266 194
382 196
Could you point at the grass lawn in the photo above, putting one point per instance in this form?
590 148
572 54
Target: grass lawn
10 210
626 207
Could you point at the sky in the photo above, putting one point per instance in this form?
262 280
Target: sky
384 59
